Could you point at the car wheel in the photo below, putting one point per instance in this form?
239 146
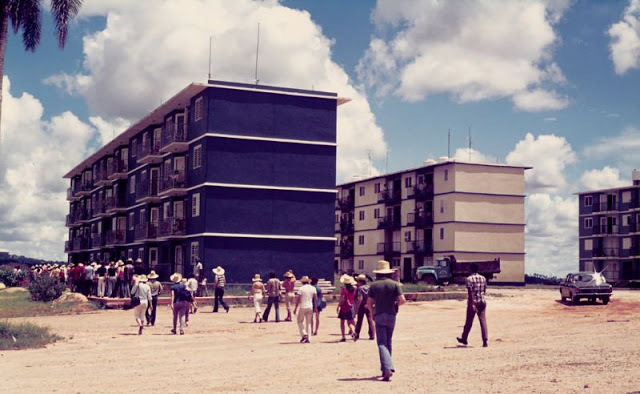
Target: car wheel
575 299
562 298
429 280
605 300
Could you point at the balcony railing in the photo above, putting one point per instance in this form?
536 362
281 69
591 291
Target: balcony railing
388 248
422 191
390 196
118 169
606 252
172 226
174 183
418 246
345 203
70 220
605 206
68 246
150 153
114 203
346 226
96 240
605 229
80 243
174 139
346 251
114 237
146 231
389 222
147 191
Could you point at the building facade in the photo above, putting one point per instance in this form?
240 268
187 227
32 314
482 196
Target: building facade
473 211
609 231
237 175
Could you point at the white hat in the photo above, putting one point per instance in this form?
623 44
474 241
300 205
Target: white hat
218 270
383 268
176 277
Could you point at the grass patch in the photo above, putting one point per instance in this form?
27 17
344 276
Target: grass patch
24 336
19 304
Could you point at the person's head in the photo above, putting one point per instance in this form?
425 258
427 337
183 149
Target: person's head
474 268
361 279
314 281
272 274
384 270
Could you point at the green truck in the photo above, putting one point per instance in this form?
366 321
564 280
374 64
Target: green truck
448 270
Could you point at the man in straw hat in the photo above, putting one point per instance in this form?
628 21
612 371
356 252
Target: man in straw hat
307 301
219 282
289 285
156 289
178 304
385 298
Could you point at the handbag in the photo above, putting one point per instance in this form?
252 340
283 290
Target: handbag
135 300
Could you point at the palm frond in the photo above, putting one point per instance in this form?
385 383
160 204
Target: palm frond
14 14
63 11
30 21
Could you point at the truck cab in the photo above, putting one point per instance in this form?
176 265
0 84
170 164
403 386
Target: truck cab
434 274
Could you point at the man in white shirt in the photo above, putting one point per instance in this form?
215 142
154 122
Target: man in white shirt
307 301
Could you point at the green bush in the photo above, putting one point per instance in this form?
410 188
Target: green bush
10 277
24 336
46 288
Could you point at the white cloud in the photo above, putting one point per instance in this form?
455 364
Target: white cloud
36 153
551 234
472 155
602 179
625 39
108 130
473 50
620 148
146 54
549 155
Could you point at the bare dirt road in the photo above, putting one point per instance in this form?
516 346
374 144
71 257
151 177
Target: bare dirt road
537 345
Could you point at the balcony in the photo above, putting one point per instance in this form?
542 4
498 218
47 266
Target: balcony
101 177
346 226
96 240
85 189
174 139
606 252
72 194
174 184
80 243
423 192
605 229
389 248
115 204
172 227
345 203
416 219
117 170
146 231
114 237
100 208
389 222
147 192
605 207
70 219
419 246
82 216
68 246
390 197
150 153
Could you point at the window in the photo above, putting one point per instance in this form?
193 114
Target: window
407 236
132 184
395 263
142 219
131 220
361 265
134 148
195 252
337 218
130 253
197 156
140 253
588 201
441 233
195 205
420 179
361 215
588 244
360 239
361 190
446 175
376 213
198 110
376 188
626 243
588 222
408 182
626 220
441 206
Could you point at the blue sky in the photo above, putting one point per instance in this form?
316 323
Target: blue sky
552 84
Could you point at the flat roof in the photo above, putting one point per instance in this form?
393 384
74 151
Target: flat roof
179 101
613 189
435 164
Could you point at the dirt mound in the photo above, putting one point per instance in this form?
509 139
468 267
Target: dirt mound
71 297
15 289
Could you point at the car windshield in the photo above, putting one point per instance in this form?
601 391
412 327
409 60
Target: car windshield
594 279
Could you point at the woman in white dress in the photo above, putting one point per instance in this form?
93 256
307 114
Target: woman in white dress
256 293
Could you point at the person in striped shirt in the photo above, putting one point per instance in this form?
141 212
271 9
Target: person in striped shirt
218 286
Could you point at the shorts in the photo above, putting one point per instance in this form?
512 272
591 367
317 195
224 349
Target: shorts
348 315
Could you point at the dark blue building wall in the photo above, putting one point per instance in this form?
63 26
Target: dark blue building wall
243 257
270 163
253 211
265 114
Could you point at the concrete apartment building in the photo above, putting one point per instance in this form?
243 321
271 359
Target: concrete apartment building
609 231
237 175
471 210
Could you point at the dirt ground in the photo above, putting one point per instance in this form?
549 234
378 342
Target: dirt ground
537 345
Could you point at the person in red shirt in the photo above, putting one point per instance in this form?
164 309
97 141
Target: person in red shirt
345 305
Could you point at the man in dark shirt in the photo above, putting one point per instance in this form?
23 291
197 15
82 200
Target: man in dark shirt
273 288
385 298
128 277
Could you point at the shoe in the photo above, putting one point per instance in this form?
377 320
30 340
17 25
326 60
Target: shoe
173 331
343 339
148 323
195 310
484 343
140 330
372 338
315 333
306 340
355 337
181 332
386 375
462 341
227 310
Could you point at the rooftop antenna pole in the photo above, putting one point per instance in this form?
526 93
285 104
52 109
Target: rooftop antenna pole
257 51
469 143
449 143
209 76
369 156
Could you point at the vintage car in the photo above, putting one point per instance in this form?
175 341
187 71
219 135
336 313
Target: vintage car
588 285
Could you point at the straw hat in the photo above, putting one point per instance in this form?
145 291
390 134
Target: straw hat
362 277
383 268
256 278
153 275
305 279
129 260
347 280
176 277
138 260
288 274
218 270
142 278
119 263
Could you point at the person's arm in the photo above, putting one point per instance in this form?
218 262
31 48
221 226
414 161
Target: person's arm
401 300
173 294
370 306
340 302
358 301
315 301
295 310
149 298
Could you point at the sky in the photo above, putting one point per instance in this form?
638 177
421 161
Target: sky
551 84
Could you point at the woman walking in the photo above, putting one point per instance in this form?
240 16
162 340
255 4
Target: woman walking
345 305
256 293
143 292
317 308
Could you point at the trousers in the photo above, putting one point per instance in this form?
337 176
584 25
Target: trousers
385 324
304 321
481 318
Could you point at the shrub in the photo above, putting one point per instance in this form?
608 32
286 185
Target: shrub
10 277
46 288
24 335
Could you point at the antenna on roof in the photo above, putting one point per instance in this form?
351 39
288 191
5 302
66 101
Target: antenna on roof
257 52
209 75
469 143
449 143
369 156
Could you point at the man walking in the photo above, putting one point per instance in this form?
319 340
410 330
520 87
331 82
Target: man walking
362 312
274 287
476 304
218 288
385 297
307 300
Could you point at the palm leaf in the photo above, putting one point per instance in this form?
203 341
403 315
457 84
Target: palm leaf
30 21
63 11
